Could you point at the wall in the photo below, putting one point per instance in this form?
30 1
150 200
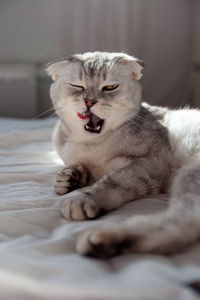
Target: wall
196 55
159 31
30 30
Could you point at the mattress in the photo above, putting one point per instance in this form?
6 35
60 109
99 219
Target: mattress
38 259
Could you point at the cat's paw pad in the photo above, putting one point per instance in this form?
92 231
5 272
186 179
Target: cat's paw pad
106 242
69 179
80 207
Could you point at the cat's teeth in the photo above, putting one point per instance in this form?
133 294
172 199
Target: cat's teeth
98 127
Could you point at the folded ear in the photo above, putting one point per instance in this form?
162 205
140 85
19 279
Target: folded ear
56 68
136 66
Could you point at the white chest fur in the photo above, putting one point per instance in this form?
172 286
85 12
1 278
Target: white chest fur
111 153
99 159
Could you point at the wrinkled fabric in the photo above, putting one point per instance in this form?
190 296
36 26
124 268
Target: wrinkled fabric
38 259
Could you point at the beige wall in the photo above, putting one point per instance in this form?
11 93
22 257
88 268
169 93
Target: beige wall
30 30
163 33
196 36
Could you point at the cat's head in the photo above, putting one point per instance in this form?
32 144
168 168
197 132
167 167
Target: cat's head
95 92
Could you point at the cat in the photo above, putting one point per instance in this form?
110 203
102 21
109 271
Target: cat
117 148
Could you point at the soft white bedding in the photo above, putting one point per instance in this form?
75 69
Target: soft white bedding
37 246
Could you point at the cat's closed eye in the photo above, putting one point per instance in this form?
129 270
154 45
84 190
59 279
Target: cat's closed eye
78 87
108 88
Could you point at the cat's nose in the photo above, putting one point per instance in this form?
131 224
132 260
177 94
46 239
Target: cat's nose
90 102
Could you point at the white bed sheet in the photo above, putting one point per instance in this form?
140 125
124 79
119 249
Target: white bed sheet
37 246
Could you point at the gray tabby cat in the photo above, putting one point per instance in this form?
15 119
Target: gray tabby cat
117 149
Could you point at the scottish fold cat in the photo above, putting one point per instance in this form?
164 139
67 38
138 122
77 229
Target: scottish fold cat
116 149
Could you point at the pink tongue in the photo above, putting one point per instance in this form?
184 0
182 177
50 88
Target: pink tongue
86 115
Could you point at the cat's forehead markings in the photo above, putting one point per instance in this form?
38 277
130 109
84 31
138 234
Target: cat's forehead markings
96 68
104 71
80 73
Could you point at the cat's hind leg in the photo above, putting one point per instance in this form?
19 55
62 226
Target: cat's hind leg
164 233
71 178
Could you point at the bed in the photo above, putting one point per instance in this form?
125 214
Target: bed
37 246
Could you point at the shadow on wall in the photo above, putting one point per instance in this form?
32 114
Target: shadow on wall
163 33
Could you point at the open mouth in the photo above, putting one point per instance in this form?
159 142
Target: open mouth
94 124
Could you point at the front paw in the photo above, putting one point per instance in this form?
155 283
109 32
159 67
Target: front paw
70 178
103 243
80 206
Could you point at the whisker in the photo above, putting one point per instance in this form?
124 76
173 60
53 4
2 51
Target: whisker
44 113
